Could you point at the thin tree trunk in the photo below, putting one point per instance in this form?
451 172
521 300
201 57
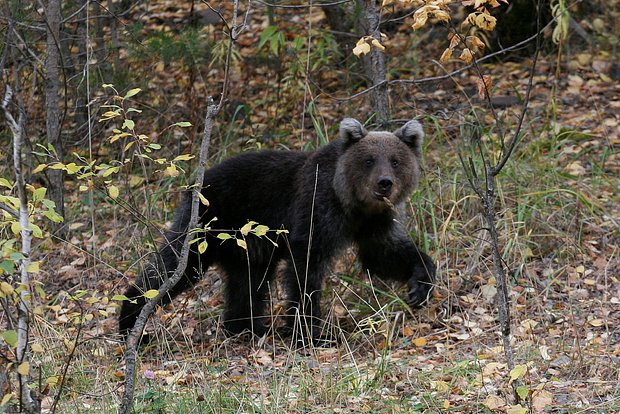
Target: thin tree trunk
52 80
375 62
29 404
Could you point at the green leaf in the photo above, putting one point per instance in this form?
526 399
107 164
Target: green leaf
134 110
224 236
7 266
523 392
266 35
10 337
202 247
73 168
36 231
120 297
260 230
150 294
183 124
129 124
132 92
39 193
16 227
5 183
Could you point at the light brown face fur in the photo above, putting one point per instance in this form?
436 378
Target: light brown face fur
377 171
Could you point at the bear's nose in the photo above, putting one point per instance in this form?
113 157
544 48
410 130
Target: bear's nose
385 183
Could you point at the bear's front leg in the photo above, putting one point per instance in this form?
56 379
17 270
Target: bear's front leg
392 255
303 290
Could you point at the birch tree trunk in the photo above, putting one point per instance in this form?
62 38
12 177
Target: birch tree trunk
28 402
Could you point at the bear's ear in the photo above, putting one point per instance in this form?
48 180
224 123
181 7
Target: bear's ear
351 130
412 134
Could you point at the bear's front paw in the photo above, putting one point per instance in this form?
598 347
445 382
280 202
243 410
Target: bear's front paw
420 287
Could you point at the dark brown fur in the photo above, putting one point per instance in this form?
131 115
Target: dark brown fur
346 193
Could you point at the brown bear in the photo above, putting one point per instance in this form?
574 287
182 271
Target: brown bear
349 192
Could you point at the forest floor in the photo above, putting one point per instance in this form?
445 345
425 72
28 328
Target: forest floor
558 217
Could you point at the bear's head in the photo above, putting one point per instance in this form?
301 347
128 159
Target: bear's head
377 170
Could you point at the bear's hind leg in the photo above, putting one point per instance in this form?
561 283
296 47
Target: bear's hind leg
153 277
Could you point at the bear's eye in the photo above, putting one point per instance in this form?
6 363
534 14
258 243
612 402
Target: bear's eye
369 162
395 163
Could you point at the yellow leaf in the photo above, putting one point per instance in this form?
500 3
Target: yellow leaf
466 56
113 191
517 372
420 21
172 171
446 404
39 168
442 15
7 397
247 227
203 199
109 114
32 267
16 227
6 288
57 166
378 44
362 47
202 247
516 409
419 342
241 243
493 402
484 86
474 42
485 21
446 55
24 368
150 294
52 381
596 322
37 348
183 157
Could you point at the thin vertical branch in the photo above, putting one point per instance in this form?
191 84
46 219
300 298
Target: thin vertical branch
487 194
